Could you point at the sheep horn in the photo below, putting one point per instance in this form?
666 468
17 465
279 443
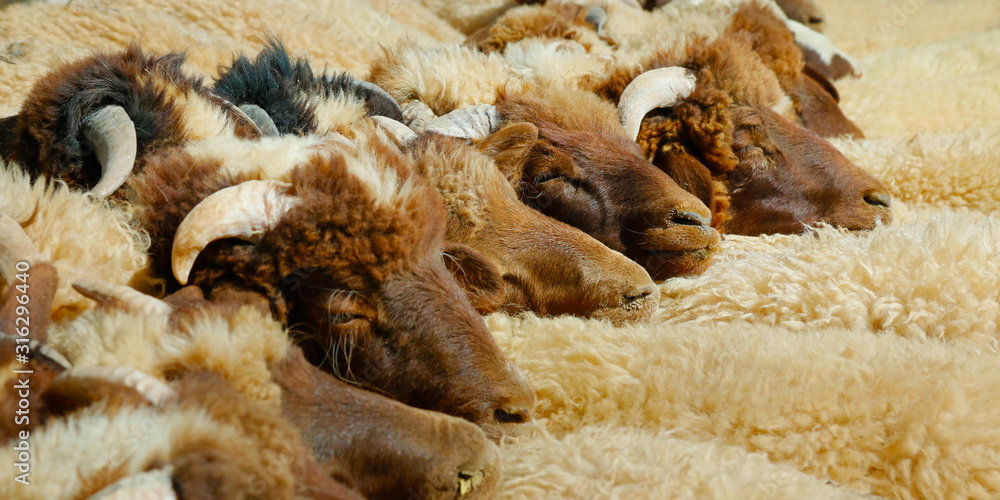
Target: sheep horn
244 211
150 485
123 297
656 88
375 89
397 131
83 383
417 115
15 246
260 117
473 122
112 134
44 350
596 17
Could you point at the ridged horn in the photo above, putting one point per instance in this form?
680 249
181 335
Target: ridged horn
84 383
656 88
375 89
122 297
396 130
150 485
112 134
244 211
473 122
15 246
263 120
417 115
44 350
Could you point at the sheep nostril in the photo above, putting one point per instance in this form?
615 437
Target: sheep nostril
815 20
878 199
641 294
511 417
688 218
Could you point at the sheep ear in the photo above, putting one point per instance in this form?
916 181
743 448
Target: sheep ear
509 147
811 72
479 277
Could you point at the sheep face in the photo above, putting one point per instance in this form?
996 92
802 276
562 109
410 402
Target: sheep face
356 267
547 266
380 446
788 178
583 170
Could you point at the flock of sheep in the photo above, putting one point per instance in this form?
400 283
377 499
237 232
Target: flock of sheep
426 249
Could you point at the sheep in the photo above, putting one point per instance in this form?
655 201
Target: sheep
350 248
368 442
483 210
757 168
90 122
582 170
813 95
547 266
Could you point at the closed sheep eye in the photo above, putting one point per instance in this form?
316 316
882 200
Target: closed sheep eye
548 176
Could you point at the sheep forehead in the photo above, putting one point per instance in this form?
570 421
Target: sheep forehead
200 116
387 186
335 110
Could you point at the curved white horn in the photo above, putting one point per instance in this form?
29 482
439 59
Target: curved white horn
15 246
473 122
244 211
83 383
260 117
656 88
417 115
150 485
397 131
43 349
112 133
123 297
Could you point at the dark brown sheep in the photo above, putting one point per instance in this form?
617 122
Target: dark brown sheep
91 121
769 174
352 257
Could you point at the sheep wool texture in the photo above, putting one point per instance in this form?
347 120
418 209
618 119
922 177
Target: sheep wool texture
830 364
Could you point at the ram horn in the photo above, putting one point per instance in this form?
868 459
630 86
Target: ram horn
43 349
88 383
473 122
122 297
257 115
112 134
155 484
15 246
417 115
376 90
396 130
656 88
244 211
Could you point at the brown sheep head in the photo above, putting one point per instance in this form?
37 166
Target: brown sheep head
815 98
350 254
547 266
584 171
769 174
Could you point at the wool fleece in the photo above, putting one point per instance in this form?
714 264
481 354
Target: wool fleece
824 365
